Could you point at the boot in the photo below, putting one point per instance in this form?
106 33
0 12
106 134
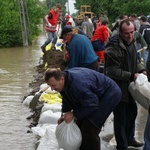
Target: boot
53 47
43 48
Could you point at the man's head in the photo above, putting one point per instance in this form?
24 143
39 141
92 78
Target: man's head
133 17
126 31
58 7
67 33
143 19
55 79
105 22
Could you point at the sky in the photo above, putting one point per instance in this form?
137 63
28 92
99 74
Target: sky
71 7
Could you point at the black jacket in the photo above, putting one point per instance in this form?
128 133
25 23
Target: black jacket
120 65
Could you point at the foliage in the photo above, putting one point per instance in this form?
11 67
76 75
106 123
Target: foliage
115 8
10 27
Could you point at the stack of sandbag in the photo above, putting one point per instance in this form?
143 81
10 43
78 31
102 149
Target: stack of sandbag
140 90
53 136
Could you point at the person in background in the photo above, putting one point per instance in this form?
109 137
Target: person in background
145 31
99 38
87 27
147 131
122 66
80 50
51 24
133 18
88 96
94 20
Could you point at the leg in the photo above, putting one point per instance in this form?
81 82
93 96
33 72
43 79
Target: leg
131 116
49 39
90 135
119 126
54 39
147 134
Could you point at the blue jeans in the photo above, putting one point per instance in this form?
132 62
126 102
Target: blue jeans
146 51
147 134
52 36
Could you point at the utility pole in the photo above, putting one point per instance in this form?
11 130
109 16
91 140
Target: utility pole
68 7
24 21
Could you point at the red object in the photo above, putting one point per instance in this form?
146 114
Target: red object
67 17
68 23
100 54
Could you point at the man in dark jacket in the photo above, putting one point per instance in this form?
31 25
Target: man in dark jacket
89 96
145 31
122 66
147 128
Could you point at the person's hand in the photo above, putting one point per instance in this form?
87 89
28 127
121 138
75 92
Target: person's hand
135 76
49 25
60 120
68 117
145 73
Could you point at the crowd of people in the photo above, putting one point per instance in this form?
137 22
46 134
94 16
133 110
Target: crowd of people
90 96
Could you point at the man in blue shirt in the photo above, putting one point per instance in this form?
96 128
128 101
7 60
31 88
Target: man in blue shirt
80 50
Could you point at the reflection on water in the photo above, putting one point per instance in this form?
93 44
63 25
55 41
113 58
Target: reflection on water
17 67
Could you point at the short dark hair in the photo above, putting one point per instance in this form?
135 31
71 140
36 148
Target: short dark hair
143 18
53 72
59 6
126 21
104 22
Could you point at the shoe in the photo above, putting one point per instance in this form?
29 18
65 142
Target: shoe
136 144
43 48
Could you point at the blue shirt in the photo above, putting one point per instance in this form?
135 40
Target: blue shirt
81 52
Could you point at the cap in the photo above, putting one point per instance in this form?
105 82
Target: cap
64 31
143 18
67 16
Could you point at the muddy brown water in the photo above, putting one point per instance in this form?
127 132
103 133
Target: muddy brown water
17 67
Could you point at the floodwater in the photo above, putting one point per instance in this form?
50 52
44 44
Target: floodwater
17 67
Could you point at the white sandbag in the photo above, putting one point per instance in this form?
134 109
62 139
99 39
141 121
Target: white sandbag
52 107
27 100
68 136
140 91
44 85
48 117
48 141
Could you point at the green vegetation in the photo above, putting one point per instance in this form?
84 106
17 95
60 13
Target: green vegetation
10 27
115 8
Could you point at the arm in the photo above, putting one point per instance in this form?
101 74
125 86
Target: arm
113 67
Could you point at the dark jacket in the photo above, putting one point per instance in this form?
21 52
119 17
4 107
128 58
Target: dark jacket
89 94
120 65
148 67
145 31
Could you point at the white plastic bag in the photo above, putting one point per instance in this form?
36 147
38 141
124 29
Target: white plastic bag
48 117
68 136
27 100
140 90
48 141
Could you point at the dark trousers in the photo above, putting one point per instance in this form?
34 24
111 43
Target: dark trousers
124 123
90 135
93 66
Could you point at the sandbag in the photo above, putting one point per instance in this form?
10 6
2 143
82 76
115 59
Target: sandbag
52 107
140 91
48 117
48 140
50 98
68 136
27 100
